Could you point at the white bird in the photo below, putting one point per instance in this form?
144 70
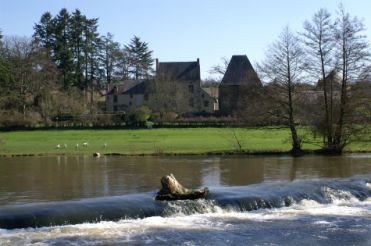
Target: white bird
58 146
104 145
85 144
77 145
65 146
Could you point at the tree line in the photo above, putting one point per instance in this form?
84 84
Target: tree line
58 69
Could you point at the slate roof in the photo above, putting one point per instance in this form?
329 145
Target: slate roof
240 72
332 76
129 87
180 71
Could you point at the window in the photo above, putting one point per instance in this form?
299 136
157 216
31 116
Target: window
130 103
115 98
203 95
115 108
190 88
206 103
146 97
191 103
131 95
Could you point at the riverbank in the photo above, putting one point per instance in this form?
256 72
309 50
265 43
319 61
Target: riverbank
180 141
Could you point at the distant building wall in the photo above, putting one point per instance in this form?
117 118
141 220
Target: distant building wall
123 102
229 96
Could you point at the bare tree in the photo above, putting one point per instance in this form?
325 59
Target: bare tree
319 41
353 57
33 78
284 66
220 69
165 96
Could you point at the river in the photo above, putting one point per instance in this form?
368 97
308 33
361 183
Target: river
259 200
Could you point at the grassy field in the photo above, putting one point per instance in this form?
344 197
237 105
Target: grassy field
152 141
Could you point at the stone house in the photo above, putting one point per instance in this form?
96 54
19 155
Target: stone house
176 84
239 80
126 95
189 97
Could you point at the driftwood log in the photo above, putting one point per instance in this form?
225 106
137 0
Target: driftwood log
173 190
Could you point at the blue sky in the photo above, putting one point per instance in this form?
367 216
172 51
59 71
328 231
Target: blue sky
188 29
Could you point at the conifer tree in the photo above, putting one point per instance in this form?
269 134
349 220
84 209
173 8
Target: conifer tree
140 58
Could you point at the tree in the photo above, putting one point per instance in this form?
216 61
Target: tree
220 69
353 56
123 66
319 41
44 31
32 74
110 57
91 56
63 54
140 58
5 71
77 22
283 66
73 43
166 98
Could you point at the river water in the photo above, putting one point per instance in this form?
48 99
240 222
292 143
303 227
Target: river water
263 200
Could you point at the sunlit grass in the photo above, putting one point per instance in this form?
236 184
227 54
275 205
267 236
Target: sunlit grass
155 141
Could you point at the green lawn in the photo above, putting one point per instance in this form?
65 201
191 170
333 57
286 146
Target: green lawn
152 141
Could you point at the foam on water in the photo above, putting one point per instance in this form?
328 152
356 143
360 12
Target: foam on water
341 217
158 229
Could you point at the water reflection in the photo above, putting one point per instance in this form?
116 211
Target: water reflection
30 179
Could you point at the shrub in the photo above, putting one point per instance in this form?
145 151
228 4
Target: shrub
139 116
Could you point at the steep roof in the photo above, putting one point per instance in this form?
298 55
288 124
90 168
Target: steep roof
331 77
129 87
240 72
180 71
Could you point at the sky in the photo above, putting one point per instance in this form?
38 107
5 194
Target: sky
184 30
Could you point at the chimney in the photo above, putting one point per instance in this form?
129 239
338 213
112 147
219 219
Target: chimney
156 65
198 61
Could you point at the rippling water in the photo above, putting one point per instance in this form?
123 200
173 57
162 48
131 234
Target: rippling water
312 202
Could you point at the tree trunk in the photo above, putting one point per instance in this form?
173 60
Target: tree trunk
296 146
173 190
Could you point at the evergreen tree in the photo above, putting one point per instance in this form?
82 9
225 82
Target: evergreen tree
140 58
63 54
44 31
78 22
90 51
109 57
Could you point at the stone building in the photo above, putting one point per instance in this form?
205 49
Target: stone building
185 80
239 79
176 87
126 95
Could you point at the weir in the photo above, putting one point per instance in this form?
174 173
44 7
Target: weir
242 198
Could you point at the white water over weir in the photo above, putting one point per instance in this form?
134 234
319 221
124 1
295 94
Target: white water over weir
300 212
